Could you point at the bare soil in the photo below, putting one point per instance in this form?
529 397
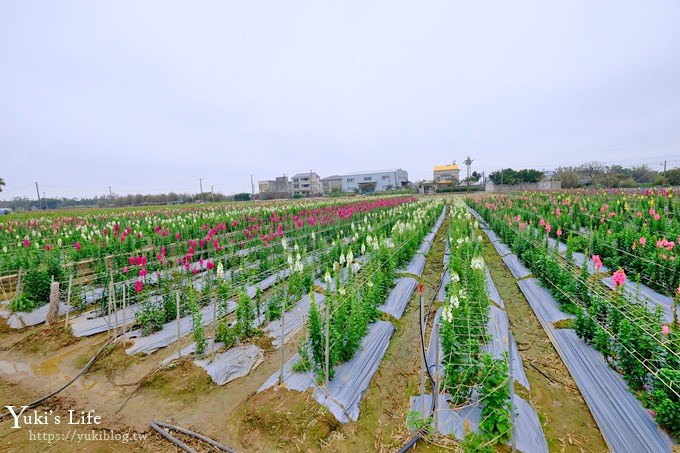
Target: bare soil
567 422
128 392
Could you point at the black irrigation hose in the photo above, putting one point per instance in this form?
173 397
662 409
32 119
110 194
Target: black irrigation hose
420 433
87 366
158 425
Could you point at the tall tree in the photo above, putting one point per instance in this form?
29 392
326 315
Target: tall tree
2 183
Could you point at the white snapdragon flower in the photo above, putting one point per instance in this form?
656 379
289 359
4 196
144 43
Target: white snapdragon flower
477 263
455 277
454 301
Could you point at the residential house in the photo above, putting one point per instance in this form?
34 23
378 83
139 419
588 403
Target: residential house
446 174
331 182
307 184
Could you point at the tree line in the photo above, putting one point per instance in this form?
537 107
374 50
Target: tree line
26 204
598 174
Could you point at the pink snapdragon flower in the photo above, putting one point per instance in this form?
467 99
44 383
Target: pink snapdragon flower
619 277
598 262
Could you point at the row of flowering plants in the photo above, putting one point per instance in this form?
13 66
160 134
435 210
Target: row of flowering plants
300 255
631 337
468 371
353 306
637 231
141 244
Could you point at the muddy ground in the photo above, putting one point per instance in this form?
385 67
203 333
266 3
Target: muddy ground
128 392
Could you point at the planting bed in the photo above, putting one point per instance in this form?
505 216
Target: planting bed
195 314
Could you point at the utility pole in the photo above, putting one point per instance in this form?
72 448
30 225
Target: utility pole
468 164
212 194
252 189
664 171
200 182
501 179
45 201
38 192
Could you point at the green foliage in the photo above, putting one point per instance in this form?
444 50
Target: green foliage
197 328
317 342
225 334
415 421
36 284
510 176
242 197
495 395
151 317
476 443
666 401
245 316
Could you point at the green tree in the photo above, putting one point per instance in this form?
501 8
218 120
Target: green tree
673 177
569 179
242 197
2 183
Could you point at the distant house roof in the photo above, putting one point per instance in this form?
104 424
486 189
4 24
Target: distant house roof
446 167
391 170
331 178
305 174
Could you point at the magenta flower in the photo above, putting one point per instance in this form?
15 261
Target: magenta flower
643 241
125 270
665 330
27 243
77 245
47 247
195 271
210 265
559 231
657 217
142 273
619 277
138 286
598 262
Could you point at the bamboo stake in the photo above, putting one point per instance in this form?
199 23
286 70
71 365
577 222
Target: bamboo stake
68 299
179 330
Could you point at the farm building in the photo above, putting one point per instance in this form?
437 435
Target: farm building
375 181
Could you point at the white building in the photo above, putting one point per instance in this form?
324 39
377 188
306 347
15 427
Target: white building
375 181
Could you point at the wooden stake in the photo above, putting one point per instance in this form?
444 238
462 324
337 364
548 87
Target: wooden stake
328 322
68 299
124 314
179 330
283 343
214 320
53 312
113 302
422 363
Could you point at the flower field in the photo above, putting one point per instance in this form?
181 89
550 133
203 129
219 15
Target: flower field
261 306
632 321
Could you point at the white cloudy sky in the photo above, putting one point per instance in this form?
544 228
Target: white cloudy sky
150 96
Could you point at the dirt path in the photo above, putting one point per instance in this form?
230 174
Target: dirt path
567 422
127 392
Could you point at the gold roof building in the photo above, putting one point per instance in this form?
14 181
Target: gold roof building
446 174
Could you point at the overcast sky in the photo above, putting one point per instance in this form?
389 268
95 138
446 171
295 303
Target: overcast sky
148 97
